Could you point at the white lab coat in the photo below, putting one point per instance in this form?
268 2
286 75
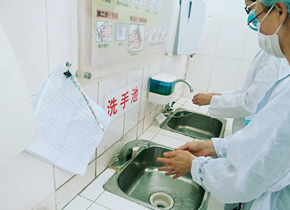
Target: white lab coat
253 165
240 103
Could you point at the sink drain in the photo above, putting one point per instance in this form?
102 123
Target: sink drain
162 200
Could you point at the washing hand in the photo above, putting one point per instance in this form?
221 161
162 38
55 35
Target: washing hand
199 148
203 98
177 163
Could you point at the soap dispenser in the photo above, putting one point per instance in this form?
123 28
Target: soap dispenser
161 87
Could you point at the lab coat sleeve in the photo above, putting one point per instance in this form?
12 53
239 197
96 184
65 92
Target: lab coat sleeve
235 91
257 157
221 146
242 103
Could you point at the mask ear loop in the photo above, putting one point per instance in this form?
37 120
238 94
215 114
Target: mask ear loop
270 10
278 29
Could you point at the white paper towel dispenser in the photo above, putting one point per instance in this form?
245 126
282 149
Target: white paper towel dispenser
192 26
17 123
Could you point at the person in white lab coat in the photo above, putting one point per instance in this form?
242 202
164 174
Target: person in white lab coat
242 102
253 164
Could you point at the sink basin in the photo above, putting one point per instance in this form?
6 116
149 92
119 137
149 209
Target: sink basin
194 124
141 182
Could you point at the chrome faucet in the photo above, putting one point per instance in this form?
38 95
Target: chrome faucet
168 108
186 82
130 150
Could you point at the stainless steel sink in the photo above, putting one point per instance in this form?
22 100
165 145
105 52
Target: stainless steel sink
141 182
194 124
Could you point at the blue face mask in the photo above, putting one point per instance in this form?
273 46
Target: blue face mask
253 24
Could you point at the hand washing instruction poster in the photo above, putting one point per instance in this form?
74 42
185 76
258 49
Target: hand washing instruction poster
122 29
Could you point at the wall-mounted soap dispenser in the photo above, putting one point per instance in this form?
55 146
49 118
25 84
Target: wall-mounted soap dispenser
161 87
192 26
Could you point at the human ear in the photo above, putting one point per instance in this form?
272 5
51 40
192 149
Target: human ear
282 11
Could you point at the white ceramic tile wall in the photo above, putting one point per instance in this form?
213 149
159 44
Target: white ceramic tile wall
147 135
135 75
199 71
113 133
60 177
175 135
226 8
156 68
175 65
95 189
232 38
92 90
241 73
104 160
140 127
181 69
210 42
225 56
149 119
144 91
130 136
228 37
169 141
96 206
250 46
79 203
69 190
223 74
62 32
110 85
167 66
132 117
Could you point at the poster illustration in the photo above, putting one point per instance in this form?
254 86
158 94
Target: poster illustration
136 37
104 31
123 29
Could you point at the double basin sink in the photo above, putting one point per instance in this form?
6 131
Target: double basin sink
139 180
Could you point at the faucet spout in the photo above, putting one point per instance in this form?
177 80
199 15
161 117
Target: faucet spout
186 82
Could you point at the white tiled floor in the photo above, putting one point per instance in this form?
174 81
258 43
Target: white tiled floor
94 197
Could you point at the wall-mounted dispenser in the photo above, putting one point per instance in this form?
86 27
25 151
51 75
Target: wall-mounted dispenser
192 26
161 87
